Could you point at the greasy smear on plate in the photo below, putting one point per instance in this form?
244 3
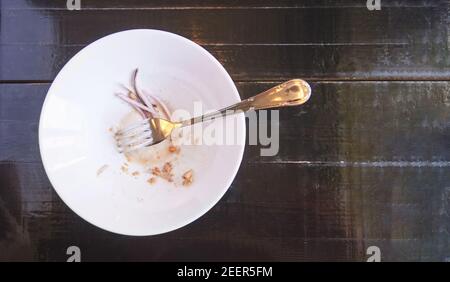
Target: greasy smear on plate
102 169
173 149
124 168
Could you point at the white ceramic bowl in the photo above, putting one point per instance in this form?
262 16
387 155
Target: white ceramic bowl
80 107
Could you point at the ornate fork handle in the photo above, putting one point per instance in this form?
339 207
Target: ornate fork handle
291 93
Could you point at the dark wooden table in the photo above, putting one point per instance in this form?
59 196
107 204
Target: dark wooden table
364 163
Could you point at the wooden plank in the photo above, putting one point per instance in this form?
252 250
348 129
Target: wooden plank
364 123
20 107
295 213
244 63
344 124
211 4
399 42
226 26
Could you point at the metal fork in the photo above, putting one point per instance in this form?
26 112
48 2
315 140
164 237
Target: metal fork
151 131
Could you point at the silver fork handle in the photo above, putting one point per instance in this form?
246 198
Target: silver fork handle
290 93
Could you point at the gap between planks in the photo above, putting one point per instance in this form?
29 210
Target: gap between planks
279 80
370 164
363 6
219 44
357 164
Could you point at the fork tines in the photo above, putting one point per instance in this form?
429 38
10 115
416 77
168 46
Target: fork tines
134 137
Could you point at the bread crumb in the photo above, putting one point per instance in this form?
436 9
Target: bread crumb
167 168
135 173
151 180
165 173
124 168
102 169
188 178
156 171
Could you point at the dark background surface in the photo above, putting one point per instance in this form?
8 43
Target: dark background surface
364 163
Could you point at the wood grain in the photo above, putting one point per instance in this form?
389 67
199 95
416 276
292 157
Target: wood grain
210 4
342 199
344 124
402 41
364 162
293 215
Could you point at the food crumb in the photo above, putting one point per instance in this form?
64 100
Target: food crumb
156 171
102 169
135 173
165 173
167 168
151 180
174 149
188 178
124 168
